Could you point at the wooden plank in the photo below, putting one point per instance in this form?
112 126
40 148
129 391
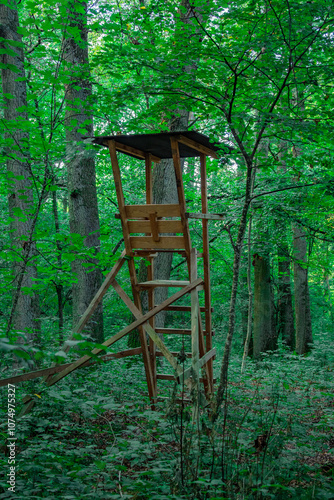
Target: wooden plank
206 265
154 227
163 226
16 379
150 331
143 211
164 351
191 215
169 242
96 300
131 264
127 329
197 146
152 347
184 308
195 317
162 283
173 331
201 362
122 354
98 296
124 148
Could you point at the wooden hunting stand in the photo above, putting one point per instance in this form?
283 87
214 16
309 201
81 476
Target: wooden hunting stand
148 229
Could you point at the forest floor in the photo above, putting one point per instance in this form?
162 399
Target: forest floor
95 436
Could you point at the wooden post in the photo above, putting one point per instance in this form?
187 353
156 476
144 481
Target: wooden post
131 265
150 273
206 263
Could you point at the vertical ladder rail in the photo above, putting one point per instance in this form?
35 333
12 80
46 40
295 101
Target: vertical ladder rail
150 273
131 265
206 264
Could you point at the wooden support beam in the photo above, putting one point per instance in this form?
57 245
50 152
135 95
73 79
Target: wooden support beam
201 362
154 227
184 308
162 283
206 265
152 333
197 146
195 317
173 331
131 264
123 148
16 379
98 296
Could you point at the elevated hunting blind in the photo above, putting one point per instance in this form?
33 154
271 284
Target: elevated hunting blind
148 229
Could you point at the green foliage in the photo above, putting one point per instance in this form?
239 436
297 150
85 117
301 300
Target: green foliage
95 434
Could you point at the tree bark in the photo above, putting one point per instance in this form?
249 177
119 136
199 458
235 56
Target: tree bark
264 336
302 299
25 312
285 309
83 207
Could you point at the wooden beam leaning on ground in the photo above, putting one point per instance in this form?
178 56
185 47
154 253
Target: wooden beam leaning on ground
143 319
16 379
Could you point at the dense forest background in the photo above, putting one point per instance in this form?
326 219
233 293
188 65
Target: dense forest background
257 78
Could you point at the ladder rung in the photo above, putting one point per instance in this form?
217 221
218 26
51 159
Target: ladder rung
163 283
171 331
183 308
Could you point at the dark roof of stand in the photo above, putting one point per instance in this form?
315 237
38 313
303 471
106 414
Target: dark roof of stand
159 144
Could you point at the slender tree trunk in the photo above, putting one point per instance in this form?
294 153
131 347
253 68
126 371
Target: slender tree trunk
83 208
25 309
302 299
236 268
58 285
285 309
264 337
248 345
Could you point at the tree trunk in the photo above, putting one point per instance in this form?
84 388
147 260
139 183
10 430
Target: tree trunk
302 299
25 312
83 208
264 337
285 309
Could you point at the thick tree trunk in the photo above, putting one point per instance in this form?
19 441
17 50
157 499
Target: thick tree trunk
25 309
302 299
83 208
285 309
165 191
264 336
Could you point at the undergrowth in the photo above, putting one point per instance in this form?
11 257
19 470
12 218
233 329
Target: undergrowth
94 435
